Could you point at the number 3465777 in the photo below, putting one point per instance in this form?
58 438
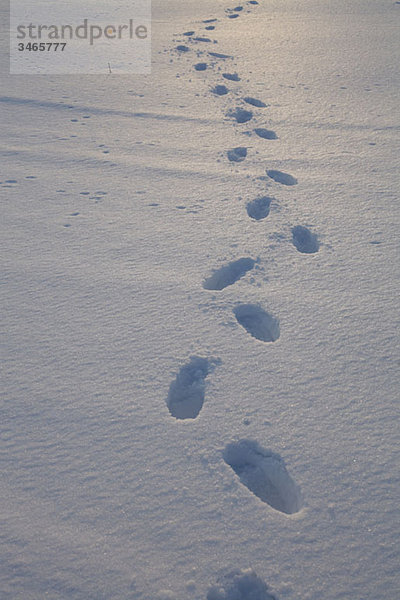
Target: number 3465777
42 47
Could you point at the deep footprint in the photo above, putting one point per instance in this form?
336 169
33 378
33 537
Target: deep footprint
264 473
259 208
229 274
237 154
186 394
201 66
258 323
304 240
241 115
254 102
240 585
266 134
283 178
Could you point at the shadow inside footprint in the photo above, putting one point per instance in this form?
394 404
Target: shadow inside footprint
186 394
241 115
201 66
231 76
254 102
237 154
258 209
281 177
264 473
304 240
240 585
266 134
229 274
258 323
220 90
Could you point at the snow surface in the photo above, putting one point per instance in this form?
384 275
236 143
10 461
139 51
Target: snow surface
119 203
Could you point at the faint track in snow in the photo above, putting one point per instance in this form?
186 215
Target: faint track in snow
93 110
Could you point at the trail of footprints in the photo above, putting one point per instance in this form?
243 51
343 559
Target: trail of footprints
260 470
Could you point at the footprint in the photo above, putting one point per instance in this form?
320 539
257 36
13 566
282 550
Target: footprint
219 55
237 154
186 394
229 274
255 102
241 115
210 28
189 33
231 76
264 473
259 208
201 39
201 66
266 134
182 48
243 584
304 240
258 323
283 178
220 90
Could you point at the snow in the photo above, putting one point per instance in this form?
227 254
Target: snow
119 204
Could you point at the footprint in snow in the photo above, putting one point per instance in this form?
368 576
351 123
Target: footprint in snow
266 134
219 55
258 323
220 90
231 76
201 66
259 208
237 154
304 240
182 48
242 584
186 393
254 102
201 39
264 473
240 115
283 178
229 274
